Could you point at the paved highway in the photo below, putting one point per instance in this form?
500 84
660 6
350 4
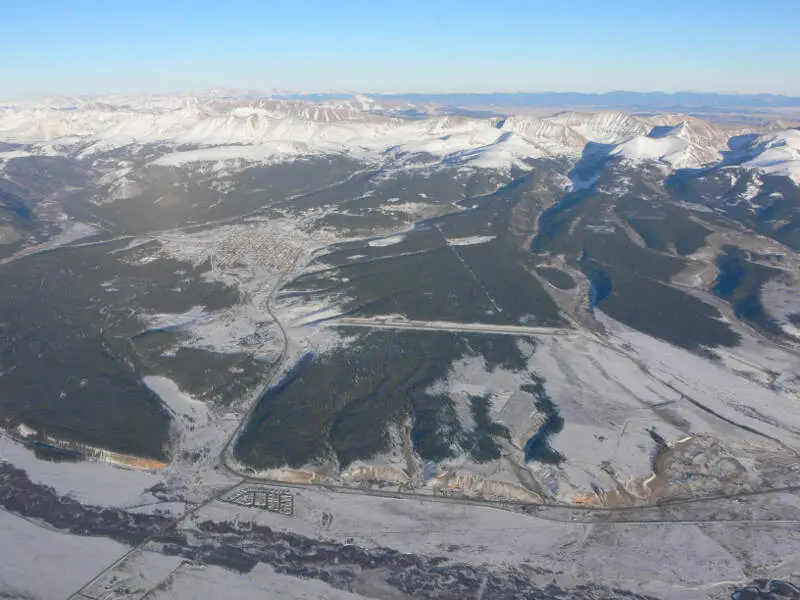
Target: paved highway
550 510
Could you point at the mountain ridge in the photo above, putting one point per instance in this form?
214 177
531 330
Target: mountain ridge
284 129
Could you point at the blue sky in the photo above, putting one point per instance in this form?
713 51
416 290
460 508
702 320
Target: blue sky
118 46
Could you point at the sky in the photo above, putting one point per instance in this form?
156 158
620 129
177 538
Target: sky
110 46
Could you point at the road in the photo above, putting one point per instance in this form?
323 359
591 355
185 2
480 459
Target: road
78 595
225 456
536 510
385 322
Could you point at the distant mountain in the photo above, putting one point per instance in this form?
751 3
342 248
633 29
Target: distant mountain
619 99
188 129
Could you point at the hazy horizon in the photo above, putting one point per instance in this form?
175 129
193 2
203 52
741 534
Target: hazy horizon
727 98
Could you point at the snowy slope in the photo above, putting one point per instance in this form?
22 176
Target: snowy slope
669 149
610 127
778 154
554 137
678 141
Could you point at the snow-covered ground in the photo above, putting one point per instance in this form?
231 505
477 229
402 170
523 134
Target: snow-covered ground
193 582
781 301
187 411
644 148
222 156
200 434
650 558
776 410
779 154
249 258
70 231
140 572
470 241
99 484
44 564
387 241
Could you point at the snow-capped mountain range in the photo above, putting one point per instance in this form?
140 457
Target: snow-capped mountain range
211 128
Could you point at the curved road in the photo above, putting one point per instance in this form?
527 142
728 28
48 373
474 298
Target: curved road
228 447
